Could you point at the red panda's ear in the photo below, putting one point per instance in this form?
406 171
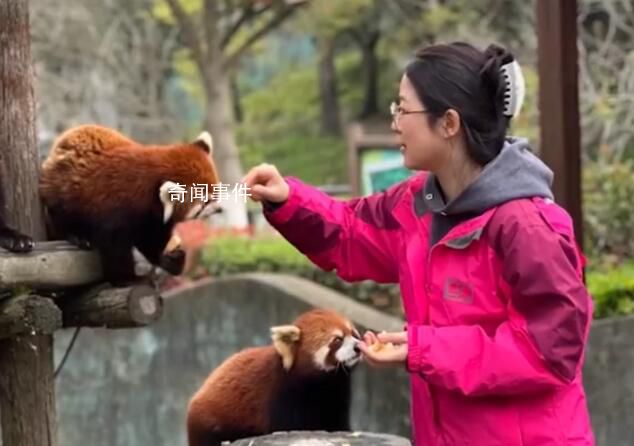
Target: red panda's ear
284 337
165 195
205 142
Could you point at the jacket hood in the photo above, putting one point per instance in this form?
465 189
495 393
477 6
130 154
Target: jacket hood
515 173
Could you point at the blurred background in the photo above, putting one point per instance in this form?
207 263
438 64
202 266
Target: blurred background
305 84
285 81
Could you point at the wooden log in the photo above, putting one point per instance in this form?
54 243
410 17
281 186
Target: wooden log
27 390
51 265
28 314
127 307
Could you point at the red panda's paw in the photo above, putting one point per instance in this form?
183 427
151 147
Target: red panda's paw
80 242
173 261
14 241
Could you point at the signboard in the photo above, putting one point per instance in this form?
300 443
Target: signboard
380 168
374 158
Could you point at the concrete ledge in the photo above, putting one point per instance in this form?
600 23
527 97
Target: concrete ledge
303 290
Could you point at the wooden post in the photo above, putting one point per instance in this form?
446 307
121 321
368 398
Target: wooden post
559 102
27 392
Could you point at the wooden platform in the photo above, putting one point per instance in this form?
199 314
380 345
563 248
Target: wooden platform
51 265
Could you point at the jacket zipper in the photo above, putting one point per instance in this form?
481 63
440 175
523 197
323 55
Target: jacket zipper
428 290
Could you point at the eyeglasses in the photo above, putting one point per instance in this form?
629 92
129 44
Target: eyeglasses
396 111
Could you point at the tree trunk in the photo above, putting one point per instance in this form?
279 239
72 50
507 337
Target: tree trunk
219 122
237 105
371 70
27 392
330 116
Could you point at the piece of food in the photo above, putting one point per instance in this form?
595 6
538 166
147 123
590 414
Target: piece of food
378 346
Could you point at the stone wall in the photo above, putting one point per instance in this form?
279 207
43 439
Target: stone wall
131 387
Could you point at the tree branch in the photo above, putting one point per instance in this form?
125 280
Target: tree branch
247 14
273 23
189 32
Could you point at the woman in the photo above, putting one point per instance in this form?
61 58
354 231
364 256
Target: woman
490 274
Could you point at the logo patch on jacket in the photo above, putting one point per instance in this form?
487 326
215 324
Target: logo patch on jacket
457 291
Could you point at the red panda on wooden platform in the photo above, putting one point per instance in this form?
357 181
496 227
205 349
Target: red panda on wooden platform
300 382
104 190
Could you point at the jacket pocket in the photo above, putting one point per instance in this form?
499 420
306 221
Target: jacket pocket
463 287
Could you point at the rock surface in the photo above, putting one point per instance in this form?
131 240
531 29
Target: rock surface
323 439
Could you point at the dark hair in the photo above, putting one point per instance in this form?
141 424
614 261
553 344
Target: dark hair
461 77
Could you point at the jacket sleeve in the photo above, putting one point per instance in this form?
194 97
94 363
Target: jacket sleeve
541 344
357 238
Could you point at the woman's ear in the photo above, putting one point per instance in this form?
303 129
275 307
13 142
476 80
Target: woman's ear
451 123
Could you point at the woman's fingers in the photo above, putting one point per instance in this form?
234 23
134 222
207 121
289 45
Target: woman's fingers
385 356
370 337
394 338
260 174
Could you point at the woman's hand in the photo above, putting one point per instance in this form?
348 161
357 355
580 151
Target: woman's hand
266 183
385 349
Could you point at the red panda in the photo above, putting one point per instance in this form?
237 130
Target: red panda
102 189
300 382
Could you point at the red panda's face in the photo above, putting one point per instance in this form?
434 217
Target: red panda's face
318 341
197 192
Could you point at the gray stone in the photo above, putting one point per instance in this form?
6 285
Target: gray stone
323 439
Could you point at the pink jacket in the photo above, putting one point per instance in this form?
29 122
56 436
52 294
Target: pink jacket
497 313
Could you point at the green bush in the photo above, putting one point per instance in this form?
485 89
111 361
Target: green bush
612 290
608 204
230 255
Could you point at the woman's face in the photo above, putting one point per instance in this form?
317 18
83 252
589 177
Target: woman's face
423 146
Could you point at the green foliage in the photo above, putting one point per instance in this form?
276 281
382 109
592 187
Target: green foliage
226 255
162 12
612 290
281 122
288 104
327 18
608 194
313 158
